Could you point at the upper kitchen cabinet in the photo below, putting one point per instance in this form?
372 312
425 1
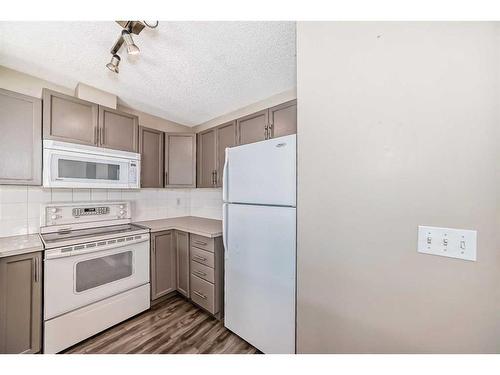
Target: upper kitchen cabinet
180 160
69 119
283 119
21 140
207 159
226 137
118 130
151 150
253 128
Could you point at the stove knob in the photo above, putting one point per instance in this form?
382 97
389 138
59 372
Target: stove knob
122 212
53 210
121 206
53 217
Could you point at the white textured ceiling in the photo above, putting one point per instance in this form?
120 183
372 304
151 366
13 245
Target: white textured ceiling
188 72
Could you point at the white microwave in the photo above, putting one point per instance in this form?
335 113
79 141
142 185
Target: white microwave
70 165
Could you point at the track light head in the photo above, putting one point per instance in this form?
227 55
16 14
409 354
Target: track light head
132 49
113 64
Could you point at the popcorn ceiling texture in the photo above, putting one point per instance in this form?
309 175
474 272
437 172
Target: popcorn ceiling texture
20 205
187 72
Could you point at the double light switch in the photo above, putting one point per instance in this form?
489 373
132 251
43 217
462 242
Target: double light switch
447 242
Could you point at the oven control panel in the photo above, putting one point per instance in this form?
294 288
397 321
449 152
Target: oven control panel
85 213
82 211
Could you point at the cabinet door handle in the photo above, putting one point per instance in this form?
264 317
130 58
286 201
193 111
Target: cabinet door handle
199 258
199 273
200 242
215 179
200 294
101 134
96 135
269 131
37 270
166 178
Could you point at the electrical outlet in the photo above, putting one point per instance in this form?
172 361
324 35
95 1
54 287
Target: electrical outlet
447 242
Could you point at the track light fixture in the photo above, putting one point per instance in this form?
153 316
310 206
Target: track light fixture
113 64
128 28
132 49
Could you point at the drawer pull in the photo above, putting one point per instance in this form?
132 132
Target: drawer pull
199 258
199 273
200 294
200 242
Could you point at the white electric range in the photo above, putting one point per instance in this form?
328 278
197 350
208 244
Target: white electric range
96 270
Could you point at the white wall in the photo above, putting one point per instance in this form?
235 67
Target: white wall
20 205
398 125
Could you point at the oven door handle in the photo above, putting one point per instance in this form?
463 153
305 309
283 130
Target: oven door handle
63 253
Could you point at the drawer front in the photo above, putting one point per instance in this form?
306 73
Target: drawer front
203 257
201 242
203 272
203 294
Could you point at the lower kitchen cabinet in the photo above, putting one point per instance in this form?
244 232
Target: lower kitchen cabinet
163 264
207 273
182 250
21 303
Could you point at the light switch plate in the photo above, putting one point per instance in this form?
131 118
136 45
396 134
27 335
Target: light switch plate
447 242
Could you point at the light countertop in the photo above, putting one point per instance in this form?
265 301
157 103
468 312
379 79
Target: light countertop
192 224
22 244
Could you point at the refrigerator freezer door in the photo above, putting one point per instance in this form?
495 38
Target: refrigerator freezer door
262 172
260 276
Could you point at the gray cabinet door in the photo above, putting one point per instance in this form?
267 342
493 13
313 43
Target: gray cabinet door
69 119
226 137
21 139
182 247
163 264
180 160
207 159
252 128
283 119
20 303
151 150
118 130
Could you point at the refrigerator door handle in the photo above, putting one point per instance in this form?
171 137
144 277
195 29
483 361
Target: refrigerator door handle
224 177
224 229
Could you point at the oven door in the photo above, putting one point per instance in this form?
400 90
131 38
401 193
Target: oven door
82 170
78 280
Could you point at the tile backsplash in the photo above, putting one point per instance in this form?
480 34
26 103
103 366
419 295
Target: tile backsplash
20 205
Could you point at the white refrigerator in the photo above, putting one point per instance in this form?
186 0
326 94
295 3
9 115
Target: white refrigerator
259 233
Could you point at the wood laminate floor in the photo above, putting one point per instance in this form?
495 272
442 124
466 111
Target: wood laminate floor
172 326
